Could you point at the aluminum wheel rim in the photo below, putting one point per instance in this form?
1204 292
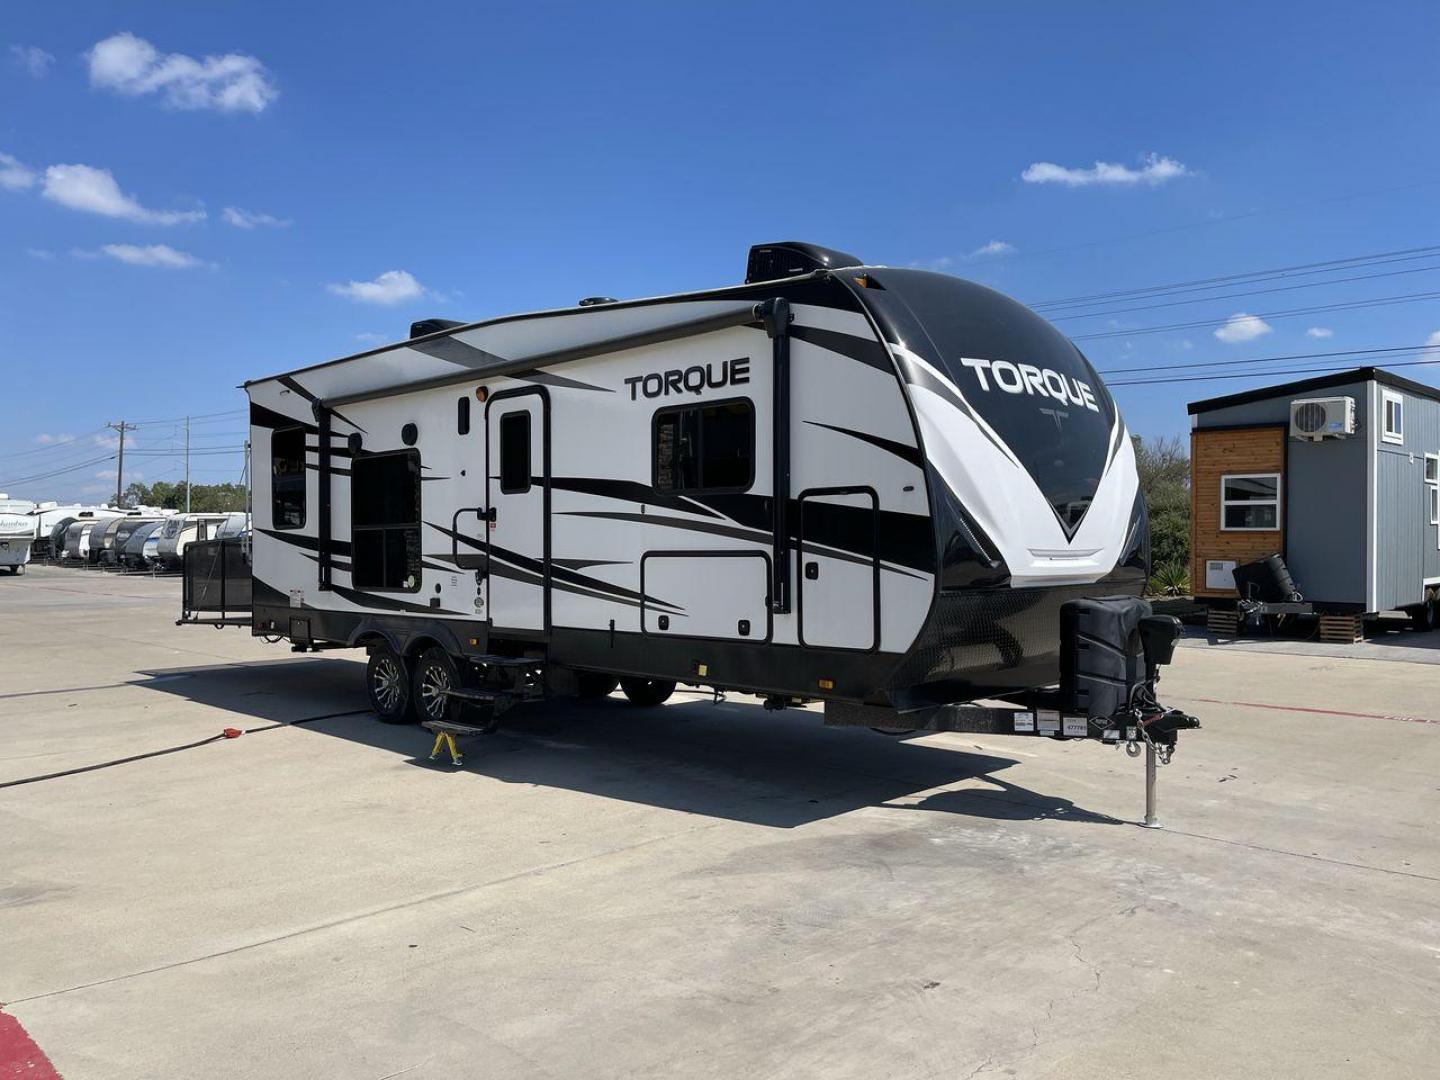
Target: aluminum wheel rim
434 682
388 684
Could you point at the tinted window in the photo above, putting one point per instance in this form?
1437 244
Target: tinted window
705 447
385 521
515 453
287 480
462 415
1022 375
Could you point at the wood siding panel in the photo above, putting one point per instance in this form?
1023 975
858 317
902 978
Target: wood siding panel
1218 453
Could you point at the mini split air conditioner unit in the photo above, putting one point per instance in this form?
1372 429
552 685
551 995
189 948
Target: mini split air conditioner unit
1313 419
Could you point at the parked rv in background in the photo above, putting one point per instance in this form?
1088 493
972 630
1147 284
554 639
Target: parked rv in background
17 533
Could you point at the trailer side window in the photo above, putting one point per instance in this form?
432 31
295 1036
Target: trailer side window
1432 486
287 479
385 521
705 447
1250 502
462 415
1394 410
515 453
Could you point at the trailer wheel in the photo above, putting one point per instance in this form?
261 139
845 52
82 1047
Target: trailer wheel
435 673
593 685
1425 616
388 684
647 691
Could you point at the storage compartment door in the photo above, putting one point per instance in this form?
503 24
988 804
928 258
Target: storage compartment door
839 591
706 594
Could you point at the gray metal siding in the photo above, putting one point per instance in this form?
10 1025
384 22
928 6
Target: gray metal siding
1327 531
1407 550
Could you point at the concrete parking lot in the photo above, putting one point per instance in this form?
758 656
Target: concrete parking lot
698 890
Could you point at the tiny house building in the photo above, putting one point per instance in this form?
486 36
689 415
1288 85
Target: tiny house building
1340 475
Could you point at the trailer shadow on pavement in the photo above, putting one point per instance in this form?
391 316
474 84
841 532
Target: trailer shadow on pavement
731 760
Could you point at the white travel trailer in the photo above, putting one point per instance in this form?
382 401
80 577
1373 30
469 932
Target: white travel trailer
180 530
554 502
17 533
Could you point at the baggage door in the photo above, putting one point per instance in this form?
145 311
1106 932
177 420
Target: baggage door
839 588
517 554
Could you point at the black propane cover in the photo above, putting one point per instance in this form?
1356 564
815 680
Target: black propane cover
1102 659
1267 580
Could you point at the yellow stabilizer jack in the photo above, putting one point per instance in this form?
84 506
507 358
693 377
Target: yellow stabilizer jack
445 739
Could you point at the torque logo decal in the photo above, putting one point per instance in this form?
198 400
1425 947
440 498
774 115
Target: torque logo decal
690 380
1028 379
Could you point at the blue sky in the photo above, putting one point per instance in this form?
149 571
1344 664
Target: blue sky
190 193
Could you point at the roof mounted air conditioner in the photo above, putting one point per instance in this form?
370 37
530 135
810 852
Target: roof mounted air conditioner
1313 419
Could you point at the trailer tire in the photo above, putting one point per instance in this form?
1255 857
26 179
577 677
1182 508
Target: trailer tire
387 682
1425 616
434 672
594 685
647 692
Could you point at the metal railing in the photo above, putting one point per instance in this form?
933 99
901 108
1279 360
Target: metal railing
216 583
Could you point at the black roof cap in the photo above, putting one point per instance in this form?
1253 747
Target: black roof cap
1323 382
792 258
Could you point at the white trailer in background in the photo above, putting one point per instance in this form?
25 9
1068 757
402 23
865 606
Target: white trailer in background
17 532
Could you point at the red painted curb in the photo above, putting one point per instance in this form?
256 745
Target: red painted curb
19 1056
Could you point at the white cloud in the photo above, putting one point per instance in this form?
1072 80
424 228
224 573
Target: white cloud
251 219
1433 339
15 175
43 254
31 59
1153 170
1242 327
233 82
367 337
391 287
82 187
161 255
1320 332
994 247
45 438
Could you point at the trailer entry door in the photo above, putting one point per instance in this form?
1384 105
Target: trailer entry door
839 588
517 574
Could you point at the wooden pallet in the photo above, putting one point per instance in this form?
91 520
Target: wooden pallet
1222 623
1342 629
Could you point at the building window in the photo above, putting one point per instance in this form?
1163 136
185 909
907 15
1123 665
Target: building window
705 447
515 453
1250 502
385 521
1432 486
287 478
1393 406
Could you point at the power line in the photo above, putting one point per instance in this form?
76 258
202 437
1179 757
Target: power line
1248 292
34 478
1271 359
1255 374
50 447
1298 269
1349 305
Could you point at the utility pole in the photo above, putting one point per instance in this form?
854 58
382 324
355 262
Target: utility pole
187 464
121 427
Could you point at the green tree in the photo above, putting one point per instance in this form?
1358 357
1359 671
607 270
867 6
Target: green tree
1164 467
204 498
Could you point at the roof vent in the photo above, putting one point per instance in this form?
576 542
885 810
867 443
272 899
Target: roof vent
432 326
596 301
791 258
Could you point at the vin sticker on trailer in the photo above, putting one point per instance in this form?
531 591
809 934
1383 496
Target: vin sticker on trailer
297 598
1024 721
1075 726
1049 721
